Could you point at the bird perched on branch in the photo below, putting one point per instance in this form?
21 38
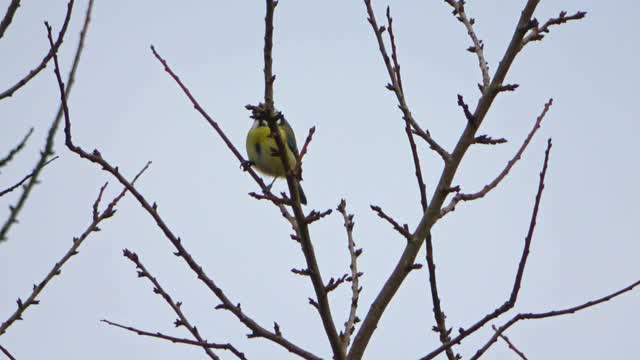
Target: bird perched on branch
263 150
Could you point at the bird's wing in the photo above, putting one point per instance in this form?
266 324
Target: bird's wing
291 138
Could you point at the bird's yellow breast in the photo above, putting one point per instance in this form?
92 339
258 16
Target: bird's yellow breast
261 147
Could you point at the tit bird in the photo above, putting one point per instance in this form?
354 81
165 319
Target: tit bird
262 148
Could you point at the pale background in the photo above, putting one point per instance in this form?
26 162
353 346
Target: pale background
330 75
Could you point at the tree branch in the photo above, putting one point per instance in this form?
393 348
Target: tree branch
108 212
176 340
27 177
45 60
47 152
478 46
177 308
4 161
6 352
441 326
267 112
549 314
96 158
510 303
396 83
537 32
401 229
8 16
510 344
354 253
407 128
430 217
495 182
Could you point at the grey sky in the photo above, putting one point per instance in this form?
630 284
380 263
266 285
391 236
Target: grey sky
329 74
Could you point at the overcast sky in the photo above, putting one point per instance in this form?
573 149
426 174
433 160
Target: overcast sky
329 74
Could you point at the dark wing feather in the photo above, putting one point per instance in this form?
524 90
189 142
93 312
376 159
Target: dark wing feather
291 137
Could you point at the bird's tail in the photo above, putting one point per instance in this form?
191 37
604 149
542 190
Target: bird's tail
303 197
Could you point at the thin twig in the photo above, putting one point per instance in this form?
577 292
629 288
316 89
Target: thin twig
303 152
495 182
402 229
177 307
478 46
6 352
511 302
488 140
441 326
210 120
396 85
8 16
354 253
537 32
467 113
549 314
243 162
269 78
96 158
47 152
177 340
4 161
442 190
302 231
267 112
407 128
510 344
108 212
27 177
10 91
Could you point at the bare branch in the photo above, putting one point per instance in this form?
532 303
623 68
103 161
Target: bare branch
177 340
403 230
315 216
537 32
407 128
270 197
510 344
488 140
418 168
45 60
549 314
7 353
267 112
96 158
354 253
4 161
495 182
8 16
212 122
396 82
176 306
478 46
108 212
27 177
301 228
510 303
335 282
441 326
303 152
431 216
47 152
269 78
467 113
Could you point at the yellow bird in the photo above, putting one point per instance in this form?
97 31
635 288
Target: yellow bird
262 147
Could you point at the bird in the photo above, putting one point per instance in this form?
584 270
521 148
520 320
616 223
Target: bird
262 149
